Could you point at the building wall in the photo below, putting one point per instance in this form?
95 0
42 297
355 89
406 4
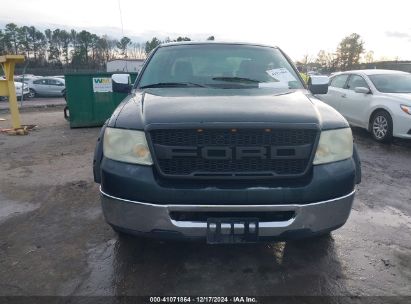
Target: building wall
124 65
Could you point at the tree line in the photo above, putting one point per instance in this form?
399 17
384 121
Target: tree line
350 51
72 49
84 50
60 47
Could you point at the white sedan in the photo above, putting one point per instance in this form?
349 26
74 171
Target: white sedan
47 86
19 90
376 100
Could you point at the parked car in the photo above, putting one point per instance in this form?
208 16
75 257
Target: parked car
26 77
223 141
47 86
22 89
19 91
376 100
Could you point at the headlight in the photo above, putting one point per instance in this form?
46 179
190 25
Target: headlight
406 109
126 146
334 145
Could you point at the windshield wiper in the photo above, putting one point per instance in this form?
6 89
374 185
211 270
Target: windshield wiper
172 85
236 79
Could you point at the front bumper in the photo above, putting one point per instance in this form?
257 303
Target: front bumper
155 220
402 125
139 183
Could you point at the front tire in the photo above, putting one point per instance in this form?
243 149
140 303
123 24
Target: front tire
381 126
32 93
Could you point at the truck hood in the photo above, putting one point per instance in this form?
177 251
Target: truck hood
285 107
201 106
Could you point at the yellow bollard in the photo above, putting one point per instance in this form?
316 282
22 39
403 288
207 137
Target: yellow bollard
7 87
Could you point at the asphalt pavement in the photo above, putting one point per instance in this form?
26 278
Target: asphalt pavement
54 241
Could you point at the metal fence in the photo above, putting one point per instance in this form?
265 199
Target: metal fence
404 66
53 71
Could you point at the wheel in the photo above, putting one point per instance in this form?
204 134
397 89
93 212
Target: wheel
32 93
381 126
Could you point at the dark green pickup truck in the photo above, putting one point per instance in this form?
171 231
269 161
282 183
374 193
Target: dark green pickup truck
224 142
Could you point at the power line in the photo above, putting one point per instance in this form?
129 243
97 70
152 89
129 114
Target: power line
121 18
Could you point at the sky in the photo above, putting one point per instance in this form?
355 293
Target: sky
299 27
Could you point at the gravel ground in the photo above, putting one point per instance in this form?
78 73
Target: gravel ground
54 241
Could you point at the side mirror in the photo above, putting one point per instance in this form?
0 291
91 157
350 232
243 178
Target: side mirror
318 84
121 83
362 90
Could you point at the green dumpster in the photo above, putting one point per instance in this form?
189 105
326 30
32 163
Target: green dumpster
90 99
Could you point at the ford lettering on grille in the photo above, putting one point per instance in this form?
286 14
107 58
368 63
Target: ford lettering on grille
238 153
245 153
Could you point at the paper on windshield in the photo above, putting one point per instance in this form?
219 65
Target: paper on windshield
281 75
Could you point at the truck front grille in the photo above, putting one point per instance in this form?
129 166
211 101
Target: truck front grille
232 152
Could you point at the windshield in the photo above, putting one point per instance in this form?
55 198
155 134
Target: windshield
392 83
219 66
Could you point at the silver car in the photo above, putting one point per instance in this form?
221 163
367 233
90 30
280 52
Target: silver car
19 91
47 86
376 100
